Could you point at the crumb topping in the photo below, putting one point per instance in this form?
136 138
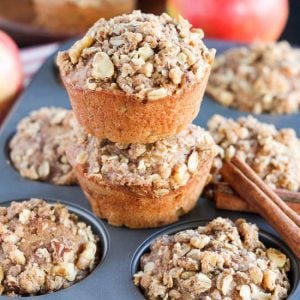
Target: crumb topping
38 148
140 54
273 154
264 78
161 166
223 260
44 248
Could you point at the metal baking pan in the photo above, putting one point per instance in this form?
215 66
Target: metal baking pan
112 279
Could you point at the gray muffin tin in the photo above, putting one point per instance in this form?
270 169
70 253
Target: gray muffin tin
122 247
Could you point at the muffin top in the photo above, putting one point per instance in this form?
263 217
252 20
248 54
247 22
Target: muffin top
223 260
147 56
157 167
38 148
273 154
44 248
264 78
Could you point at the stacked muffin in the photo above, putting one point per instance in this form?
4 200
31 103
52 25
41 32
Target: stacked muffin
136 83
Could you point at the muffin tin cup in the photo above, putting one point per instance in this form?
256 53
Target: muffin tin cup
269 240
98 228
112 278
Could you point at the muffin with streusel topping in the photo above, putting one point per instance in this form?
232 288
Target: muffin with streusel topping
137 78
143 185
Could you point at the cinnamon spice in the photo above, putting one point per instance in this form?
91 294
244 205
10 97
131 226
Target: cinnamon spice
226 198
264 200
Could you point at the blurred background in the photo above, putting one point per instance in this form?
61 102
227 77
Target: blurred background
32 29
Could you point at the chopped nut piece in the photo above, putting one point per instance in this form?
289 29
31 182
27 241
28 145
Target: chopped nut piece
245 292
145 52
87 256
102 66
256 275
269 280
17 257
82 157
157 94
193 162
65 270
181 175
78 47
24 216
276 257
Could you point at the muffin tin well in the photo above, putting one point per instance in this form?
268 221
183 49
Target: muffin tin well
269 241
112 279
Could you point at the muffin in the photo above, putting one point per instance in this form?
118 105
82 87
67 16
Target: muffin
73 17
44 248
264 78
223 260
37 150
143 185
273 154
137 78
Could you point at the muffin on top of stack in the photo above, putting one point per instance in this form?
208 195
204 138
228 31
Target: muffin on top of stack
136 83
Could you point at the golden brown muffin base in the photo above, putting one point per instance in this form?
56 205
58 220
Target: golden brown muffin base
124 119
121 205
59 16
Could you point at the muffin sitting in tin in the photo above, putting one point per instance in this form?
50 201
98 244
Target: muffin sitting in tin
143 185
137 78
37 150
273 154
223 260
44 248
264 78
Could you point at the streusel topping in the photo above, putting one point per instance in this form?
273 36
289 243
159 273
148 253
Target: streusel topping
223 260
161 166
143 55
38 148
273 154
264 78
44 248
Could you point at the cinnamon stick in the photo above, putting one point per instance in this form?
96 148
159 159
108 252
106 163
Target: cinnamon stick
259 196
266 189
226 198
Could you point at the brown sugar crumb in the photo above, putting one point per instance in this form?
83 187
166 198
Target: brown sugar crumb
223 260
273 154
157 167
143 55
264 78
38 148
44 248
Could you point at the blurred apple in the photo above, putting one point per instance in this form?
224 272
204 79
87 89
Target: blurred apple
237 20
11 74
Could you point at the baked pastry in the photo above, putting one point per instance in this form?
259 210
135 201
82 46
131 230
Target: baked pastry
222 260
37 150
264 78
72 17
137 78
44 248
143 185
273 154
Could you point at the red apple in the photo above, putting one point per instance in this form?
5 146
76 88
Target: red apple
11 73
238 20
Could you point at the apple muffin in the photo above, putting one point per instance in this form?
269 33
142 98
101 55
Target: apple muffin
273 154
37 150
137 78
44 248
261 78
74 17
222 260
143 185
